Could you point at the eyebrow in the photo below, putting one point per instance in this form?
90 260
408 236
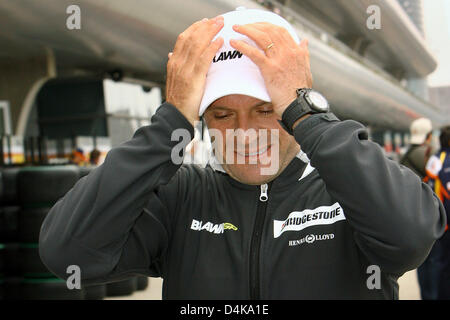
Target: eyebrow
226 108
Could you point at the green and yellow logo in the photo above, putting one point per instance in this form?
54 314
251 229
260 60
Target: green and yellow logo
229 226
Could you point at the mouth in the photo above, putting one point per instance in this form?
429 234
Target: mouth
253 154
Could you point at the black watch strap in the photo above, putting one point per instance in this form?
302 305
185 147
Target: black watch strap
297 109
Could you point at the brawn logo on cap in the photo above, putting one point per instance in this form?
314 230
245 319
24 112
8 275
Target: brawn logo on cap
227 55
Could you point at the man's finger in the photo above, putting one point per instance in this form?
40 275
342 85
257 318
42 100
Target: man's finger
187 34
203 37
256 55
262 39
207 31
276 33
208 55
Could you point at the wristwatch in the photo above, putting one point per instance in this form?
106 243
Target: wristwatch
308 101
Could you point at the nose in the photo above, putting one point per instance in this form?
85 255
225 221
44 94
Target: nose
247 130
243 122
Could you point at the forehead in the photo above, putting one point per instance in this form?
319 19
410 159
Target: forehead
237 101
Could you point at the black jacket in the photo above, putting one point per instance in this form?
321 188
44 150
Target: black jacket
211 237
416 159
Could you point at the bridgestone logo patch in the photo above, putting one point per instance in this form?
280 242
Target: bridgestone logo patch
299 220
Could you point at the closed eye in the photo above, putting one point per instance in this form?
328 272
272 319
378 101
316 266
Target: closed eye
266 113
224 116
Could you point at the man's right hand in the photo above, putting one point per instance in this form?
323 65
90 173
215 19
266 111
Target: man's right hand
189 63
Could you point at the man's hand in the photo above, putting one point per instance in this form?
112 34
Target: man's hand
284 65
189 63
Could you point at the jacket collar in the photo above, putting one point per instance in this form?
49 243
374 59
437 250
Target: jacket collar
216 166
298 169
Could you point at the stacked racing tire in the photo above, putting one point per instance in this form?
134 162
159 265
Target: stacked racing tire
39 188
26 196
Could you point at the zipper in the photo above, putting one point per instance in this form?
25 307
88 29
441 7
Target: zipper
263 197
255 246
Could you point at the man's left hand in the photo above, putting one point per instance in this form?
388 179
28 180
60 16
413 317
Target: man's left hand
283 63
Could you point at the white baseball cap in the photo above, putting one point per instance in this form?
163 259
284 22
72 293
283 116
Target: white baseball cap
419 129
231 72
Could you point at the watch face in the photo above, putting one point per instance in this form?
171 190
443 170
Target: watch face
318 101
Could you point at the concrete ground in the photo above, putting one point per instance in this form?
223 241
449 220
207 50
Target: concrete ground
409 289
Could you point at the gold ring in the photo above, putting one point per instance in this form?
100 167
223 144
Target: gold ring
269 46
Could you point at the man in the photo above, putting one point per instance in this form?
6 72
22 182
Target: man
417 155
77 157
434 273
94 157
345 226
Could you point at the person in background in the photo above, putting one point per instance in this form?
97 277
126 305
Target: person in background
419 150
436 268
77 157
94 157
